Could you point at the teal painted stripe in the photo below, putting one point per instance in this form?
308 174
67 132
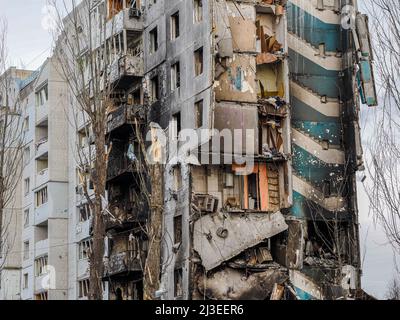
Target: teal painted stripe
302 295
304 208
330 131
315 31
314 170
311 75
304 112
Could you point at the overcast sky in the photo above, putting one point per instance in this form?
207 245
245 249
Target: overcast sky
30 44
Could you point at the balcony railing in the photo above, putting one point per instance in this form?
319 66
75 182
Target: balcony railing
42 213
42 177
41 248
122 262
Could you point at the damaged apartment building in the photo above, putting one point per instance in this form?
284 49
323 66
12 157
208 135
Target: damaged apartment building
264 204
288 70
290 77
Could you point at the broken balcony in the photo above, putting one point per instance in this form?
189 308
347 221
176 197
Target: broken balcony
124 15
122 263
125 68
124 160
121 166
124 214
122 116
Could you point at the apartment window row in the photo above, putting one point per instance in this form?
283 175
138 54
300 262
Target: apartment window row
41 197
85 248
198 119
176 75
175 25
41 266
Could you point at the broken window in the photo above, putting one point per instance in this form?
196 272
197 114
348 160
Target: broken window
175 26
327 189
198 112
84 213
84 248
176 122
253 194
198 61
83 288
154 89
41 266
178 229
178 283
198 10
175 76
153 40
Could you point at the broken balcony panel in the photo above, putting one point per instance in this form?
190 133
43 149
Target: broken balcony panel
123 115
122 262
220 237
233 284
369 95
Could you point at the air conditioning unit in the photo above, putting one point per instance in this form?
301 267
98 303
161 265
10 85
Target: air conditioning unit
134 13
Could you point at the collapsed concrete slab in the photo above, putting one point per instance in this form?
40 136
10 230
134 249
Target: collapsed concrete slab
220 237
233 284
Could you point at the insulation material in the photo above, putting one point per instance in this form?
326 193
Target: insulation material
240 232
233 284
238 82
269 77
243 34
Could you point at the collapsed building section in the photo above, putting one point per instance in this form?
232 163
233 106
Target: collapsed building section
286 226
126 239
263 204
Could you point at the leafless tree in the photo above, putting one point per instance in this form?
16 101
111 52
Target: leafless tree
383 158
393 290
85 62
11 144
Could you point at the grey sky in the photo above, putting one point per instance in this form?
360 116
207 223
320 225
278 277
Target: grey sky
30 44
